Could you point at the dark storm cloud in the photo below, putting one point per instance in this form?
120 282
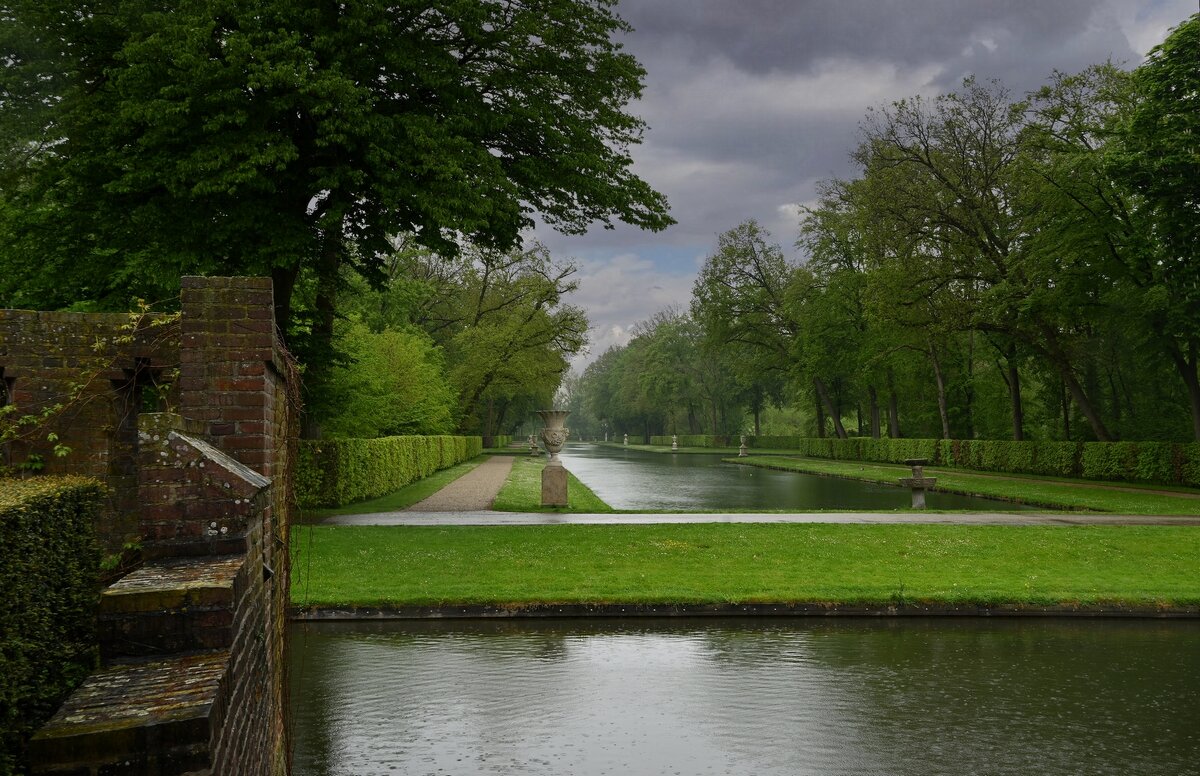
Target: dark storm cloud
750 103
765 35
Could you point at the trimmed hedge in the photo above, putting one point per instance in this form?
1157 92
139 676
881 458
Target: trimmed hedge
501 440
1168 463
49 565
335 472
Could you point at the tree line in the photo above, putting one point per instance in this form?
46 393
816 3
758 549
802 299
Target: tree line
998 267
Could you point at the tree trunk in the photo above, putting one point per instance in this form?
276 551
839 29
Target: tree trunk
874 411
823 395
820 418
1186 366
1065 398
970 388
893 407
1014 393
283 282
1060 361
941 391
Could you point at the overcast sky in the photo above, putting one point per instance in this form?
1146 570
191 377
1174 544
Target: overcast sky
751 102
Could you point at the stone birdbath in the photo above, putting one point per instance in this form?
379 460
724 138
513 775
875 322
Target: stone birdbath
918 481
554 476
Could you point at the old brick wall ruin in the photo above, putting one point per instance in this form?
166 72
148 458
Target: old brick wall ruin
193 641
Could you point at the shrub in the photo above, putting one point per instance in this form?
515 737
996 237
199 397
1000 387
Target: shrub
334 472
49 565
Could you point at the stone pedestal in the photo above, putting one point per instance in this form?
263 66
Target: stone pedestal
742 452
674 441
554 486
918 481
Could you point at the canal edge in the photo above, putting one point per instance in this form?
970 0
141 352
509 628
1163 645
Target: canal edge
541 611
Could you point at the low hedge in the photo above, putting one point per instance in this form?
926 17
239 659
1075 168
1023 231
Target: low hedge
49 565
1168 463
335 472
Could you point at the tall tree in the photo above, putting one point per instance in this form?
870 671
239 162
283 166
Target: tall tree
286 138
1155 150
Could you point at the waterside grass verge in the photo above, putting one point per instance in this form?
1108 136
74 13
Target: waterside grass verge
1056 493
522 492
1144 567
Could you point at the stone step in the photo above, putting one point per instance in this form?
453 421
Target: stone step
145 717
170 605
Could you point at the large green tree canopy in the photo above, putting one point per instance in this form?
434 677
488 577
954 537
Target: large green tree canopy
144 139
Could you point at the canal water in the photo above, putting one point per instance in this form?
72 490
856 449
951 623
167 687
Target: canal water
747 696
690 482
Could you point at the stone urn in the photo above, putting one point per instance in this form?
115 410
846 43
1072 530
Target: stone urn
554 435
674 441
742 449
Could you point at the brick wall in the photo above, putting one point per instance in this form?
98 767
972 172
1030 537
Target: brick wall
211 482
43 356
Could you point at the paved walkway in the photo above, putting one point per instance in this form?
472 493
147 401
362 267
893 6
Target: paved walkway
472 492
418 516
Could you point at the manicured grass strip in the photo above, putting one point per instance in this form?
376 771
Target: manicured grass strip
523 491
1143 566
1072 495
405 497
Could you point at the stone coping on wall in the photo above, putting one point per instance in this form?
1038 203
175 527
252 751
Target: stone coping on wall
127 713
818 609
174 582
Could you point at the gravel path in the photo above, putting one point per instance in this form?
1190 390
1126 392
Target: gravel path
473 492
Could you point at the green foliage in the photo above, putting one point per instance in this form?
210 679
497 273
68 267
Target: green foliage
215 137
335 472
392 384
49 562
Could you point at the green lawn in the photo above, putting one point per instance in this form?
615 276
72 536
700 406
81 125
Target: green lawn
400 499
1149 566
523 491
1074 495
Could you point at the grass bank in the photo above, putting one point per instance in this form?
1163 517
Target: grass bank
1057 493
522 492
1143 567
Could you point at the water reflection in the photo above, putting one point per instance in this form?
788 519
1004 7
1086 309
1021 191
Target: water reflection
787 696
635 479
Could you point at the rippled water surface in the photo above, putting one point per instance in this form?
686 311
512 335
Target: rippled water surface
636 479
787 696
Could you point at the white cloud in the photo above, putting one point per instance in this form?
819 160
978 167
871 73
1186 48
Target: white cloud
620 291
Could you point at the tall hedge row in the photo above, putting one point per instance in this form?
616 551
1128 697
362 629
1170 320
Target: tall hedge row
49 565
334 472
1169 463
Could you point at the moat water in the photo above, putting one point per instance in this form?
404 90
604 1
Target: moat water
747 696
686 482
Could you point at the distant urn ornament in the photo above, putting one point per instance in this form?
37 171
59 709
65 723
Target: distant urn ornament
534 450
674 441
626 440
554 435
742 450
